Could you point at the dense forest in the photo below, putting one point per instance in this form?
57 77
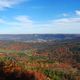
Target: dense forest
50 60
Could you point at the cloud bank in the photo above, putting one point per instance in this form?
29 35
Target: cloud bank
77 12
24 24
9 3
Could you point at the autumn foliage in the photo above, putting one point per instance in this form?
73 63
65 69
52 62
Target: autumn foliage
16 73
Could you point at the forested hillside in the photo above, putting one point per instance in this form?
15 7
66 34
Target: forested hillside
50 60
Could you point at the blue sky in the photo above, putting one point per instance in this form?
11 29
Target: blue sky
39 16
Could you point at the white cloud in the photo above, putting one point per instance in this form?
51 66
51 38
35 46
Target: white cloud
65 14
77 12
23 24
18 21
67 20
2 21
23 19
9 3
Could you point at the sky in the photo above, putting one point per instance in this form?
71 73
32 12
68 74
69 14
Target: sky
39 16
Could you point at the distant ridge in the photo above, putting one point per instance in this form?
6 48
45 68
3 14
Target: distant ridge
38 37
